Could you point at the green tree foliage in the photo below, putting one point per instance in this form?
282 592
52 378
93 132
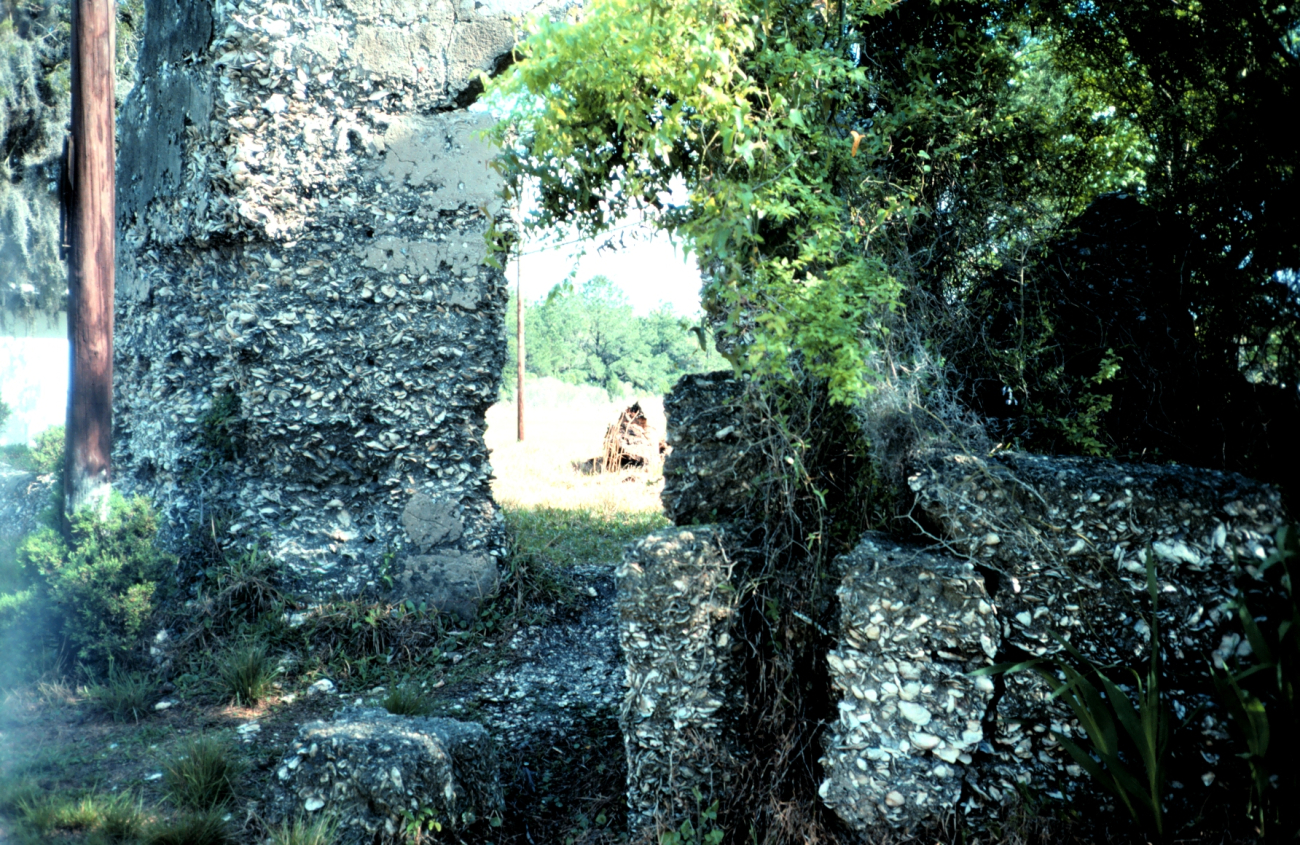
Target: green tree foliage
1206 83
859 169
589 334
834 154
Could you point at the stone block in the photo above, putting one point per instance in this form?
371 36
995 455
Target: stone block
431 522
676 607
368 768
1065 545
912 626
453 582
709 472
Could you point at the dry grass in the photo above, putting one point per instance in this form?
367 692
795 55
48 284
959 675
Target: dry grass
565 425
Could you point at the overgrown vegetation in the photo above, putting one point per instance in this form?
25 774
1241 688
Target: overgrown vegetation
123 696
319 831
45 457
1041 191
245 673
403 700
1259 689
102 818
202 828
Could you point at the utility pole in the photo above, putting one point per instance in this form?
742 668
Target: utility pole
519 334
89 218
519 314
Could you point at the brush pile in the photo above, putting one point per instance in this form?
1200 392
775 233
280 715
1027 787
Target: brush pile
631 442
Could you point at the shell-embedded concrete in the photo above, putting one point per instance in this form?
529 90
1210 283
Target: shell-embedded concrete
308 333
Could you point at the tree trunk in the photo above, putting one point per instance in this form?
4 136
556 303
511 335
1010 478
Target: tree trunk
90 219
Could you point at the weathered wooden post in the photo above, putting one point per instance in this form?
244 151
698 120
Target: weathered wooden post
519 390
519 314
90 219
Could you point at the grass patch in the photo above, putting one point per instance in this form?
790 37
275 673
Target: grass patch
124 696
17 791
245 674
568 537
302 831
117 818
407 701
206 828
203 777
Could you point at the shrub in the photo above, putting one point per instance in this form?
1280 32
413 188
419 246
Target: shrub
407 701
47 454
19 603
102 583
26 622
43 458
124 696
245 674
202 778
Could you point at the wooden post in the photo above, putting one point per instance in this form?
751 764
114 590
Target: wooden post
519 335
90 218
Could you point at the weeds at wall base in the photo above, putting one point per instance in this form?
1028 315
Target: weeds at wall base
244 674
204 828
407 701
304 831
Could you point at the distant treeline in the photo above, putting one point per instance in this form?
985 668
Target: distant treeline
589 334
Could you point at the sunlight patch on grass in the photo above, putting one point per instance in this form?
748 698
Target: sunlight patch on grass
541 471
568 537
553 511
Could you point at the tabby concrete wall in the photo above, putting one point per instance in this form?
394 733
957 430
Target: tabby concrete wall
1010 552
308 335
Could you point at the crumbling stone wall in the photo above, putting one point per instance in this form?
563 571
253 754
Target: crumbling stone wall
709 479
307 332
1017 549
1064 543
